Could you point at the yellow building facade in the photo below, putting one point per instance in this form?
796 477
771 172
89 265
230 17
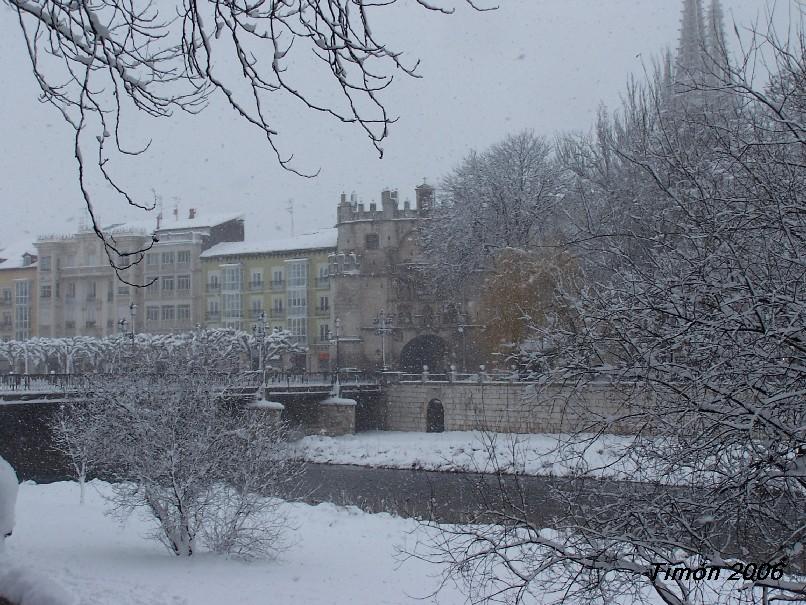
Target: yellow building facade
18 295
285 281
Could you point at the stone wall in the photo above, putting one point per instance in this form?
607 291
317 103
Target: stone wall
502 406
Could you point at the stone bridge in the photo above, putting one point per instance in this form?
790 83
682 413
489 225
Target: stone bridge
320 402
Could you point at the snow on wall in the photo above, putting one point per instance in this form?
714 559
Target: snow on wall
8 499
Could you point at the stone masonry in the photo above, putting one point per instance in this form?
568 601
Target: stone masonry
502 406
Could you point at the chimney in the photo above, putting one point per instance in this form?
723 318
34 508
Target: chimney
192 213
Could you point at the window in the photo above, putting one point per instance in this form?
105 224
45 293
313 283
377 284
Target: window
152 259
167 284
152 313
213 282
183 282
167 313
70 290
324 303
277 279
297 274
324 333
123 290
298 327
297 302
278 305
231 305
92 289
45 292
257 307
231 277
22 312
183 312
6 298
183 257
44 263
371 241
257 279
168 258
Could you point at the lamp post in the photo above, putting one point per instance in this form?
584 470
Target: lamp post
132 315
383 326
259 330
334 337
462 330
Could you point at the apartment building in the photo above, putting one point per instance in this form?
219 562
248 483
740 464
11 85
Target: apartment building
80 295
175 299
286 281
18 292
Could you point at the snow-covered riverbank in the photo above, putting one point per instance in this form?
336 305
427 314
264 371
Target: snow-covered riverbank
465 451
337 556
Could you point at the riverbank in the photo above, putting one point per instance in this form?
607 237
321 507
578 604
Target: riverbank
336 556
472 452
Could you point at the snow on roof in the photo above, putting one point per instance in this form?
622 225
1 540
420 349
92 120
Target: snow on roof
325 238
11 256
201 220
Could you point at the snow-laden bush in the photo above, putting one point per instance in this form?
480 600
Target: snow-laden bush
207 471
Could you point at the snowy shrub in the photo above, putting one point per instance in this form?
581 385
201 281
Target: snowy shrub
205 470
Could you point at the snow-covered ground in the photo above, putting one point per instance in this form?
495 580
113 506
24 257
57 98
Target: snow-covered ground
464 451
338 556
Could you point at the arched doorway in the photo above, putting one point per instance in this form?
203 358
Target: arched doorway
427 350
435 417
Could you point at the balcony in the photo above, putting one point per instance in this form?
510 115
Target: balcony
5 326
322 311
256 286
214 288
212 315
256 313
323 282
278 284
5 302
276 313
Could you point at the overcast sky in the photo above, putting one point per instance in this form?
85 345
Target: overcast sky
539 64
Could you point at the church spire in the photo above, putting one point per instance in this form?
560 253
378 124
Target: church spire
689 64
717 49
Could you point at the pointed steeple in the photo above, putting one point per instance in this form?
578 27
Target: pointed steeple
715 39
690 51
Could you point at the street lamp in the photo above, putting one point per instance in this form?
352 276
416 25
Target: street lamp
334 337
461 327
383 326
132 314
259 330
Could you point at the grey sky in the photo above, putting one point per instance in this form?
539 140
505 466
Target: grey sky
540 64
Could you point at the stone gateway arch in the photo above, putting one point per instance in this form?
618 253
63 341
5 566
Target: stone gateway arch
425 350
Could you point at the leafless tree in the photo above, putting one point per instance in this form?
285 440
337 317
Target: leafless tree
207 471
500 198
100 62
693 234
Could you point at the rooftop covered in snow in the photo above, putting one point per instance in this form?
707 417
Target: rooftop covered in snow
325 238
18 255
194 220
